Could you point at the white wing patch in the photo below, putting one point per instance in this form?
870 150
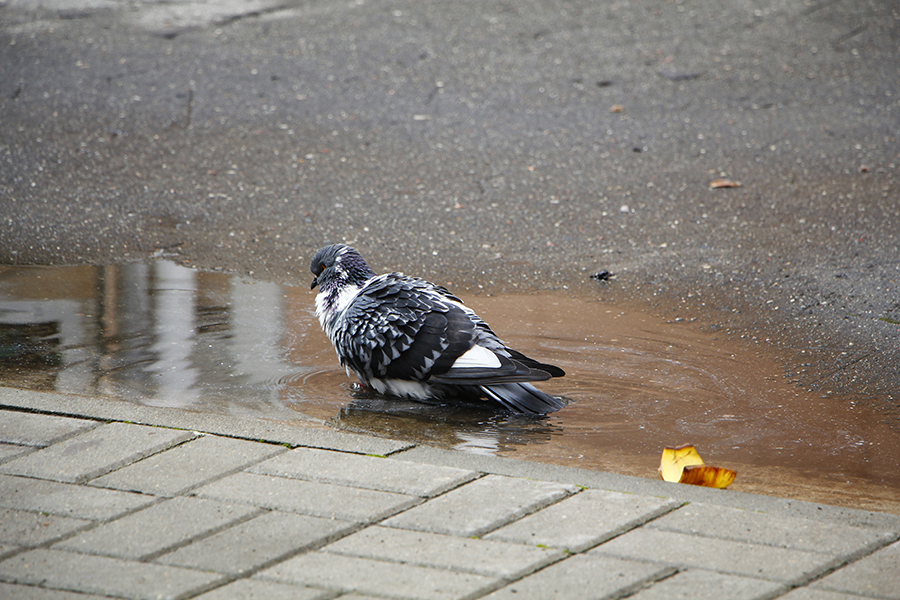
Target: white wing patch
477 357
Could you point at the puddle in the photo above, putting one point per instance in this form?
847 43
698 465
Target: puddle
163 335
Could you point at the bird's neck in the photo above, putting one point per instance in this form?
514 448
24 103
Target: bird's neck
332 300
351 274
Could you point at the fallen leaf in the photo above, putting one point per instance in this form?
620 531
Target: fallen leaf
724 183
674 460
684 465
708 476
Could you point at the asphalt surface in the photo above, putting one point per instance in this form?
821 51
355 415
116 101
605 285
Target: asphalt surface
506 145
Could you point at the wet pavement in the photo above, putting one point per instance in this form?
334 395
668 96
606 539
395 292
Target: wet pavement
109 499
161 334
485 145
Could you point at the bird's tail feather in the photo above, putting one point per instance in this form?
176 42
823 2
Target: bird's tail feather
523 398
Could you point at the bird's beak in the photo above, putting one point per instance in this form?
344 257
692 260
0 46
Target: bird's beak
315 282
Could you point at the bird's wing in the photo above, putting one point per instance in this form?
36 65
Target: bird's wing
551 370
406 328
528 369
398 327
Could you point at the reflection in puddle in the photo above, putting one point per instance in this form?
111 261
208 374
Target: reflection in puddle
164 335
159 334
470 428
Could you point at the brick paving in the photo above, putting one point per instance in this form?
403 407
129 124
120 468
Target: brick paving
177 505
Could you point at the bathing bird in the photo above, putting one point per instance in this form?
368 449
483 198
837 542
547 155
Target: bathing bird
406 337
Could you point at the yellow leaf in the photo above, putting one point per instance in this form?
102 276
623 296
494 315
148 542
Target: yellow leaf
674 460
708 476
684 465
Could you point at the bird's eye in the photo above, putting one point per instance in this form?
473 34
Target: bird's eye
322 267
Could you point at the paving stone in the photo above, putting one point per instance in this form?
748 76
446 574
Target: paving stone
188 465
817 535
103 575
875 575
379 578
682 550
157 528
707 585
30 429
9 451
254 589
95 452
11 591
67 500
308 497
385 474
494 559
256 542
584 577
812 594
7 549
217 424
481 506
32 528
583 520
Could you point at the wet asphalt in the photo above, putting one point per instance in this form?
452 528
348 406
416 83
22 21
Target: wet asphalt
491 146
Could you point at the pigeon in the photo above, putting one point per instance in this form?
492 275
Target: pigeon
406 337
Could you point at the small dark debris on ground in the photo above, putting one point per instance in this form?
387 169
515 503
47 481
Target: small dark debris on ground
603 275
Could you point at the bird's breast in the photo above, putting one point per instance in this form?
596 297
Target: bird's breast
332 303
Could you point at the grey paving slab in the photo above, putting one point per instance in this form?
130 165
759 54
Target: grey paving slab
188 465
103 575
389 475
584 577
31 429
875 575
11 591
251 429
379 578
481 506
806 593
260 540
68 500
683 550
494 559
817 535
308 497
9 451
8 549
254 589
696 584
583 520
157 528
648 487
34 528
94 452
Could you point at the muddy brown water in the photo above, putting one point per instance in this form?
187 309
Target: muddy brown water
164 335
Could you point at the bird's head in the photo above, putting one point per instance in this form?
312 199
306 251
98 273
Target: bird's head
338 265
